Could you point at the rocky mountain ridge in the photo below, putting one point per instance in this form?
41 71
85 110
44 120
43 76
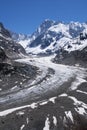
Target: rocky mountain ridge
50 36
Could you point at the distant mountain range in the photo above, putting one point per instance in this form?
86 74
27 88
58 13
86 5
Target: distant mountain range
50 36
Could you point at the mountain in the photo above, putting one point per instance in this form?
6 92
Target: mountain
10 70
8 46
49 91
50 36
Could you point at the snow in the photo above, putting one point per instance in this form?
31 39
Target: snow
69 115
52 99
64 29
35 50
54 120
7 38
44 103
47 124
27 120
22 127
24 43
8 111
63 95
20 113
77 102
14 87
63 73
77 82
79 91
75 46
16 82
21 83
81 110
65 38
0 89
33 105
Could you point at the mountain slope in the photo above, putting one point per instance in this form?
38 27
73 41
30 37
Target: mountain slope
12 73
44 93
51 36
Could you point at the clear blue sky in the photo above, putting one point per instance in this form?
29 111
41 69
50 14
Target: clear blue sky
24 16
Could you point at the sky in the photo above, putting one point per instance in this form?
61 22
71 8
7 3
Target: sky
24 16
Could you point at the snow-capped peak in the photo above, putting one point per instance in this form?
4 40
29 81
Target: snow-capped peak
52 35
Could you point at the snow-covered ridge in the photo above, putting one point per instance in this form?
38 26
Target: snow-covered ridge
50 36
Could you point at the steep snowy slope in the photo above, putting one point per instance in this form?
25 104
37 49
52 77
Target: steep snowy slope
51 36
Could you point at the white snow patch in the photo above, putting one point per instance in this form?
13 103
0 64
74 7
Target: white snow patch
8 111
24 43
69 115
16 82
14 87
44 103
47 124
61 28
77 103
0 89
33 105
79 91
63 95
77 82
27 120
55 120
52 99
21 83
22 127
20 113
81 110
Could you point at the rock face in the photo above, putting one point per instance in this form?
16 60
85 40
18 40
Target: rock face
9 48
72 58
10 71
4 31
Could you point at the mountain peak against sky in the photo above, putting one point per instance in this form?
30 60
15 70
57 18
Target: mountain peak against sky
50 35
44 26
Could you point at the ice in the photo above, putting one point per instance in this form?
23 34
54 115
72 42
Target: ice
40 87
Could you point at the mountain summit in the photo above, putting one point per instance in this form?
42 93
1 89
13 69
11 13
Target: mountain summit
50 36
